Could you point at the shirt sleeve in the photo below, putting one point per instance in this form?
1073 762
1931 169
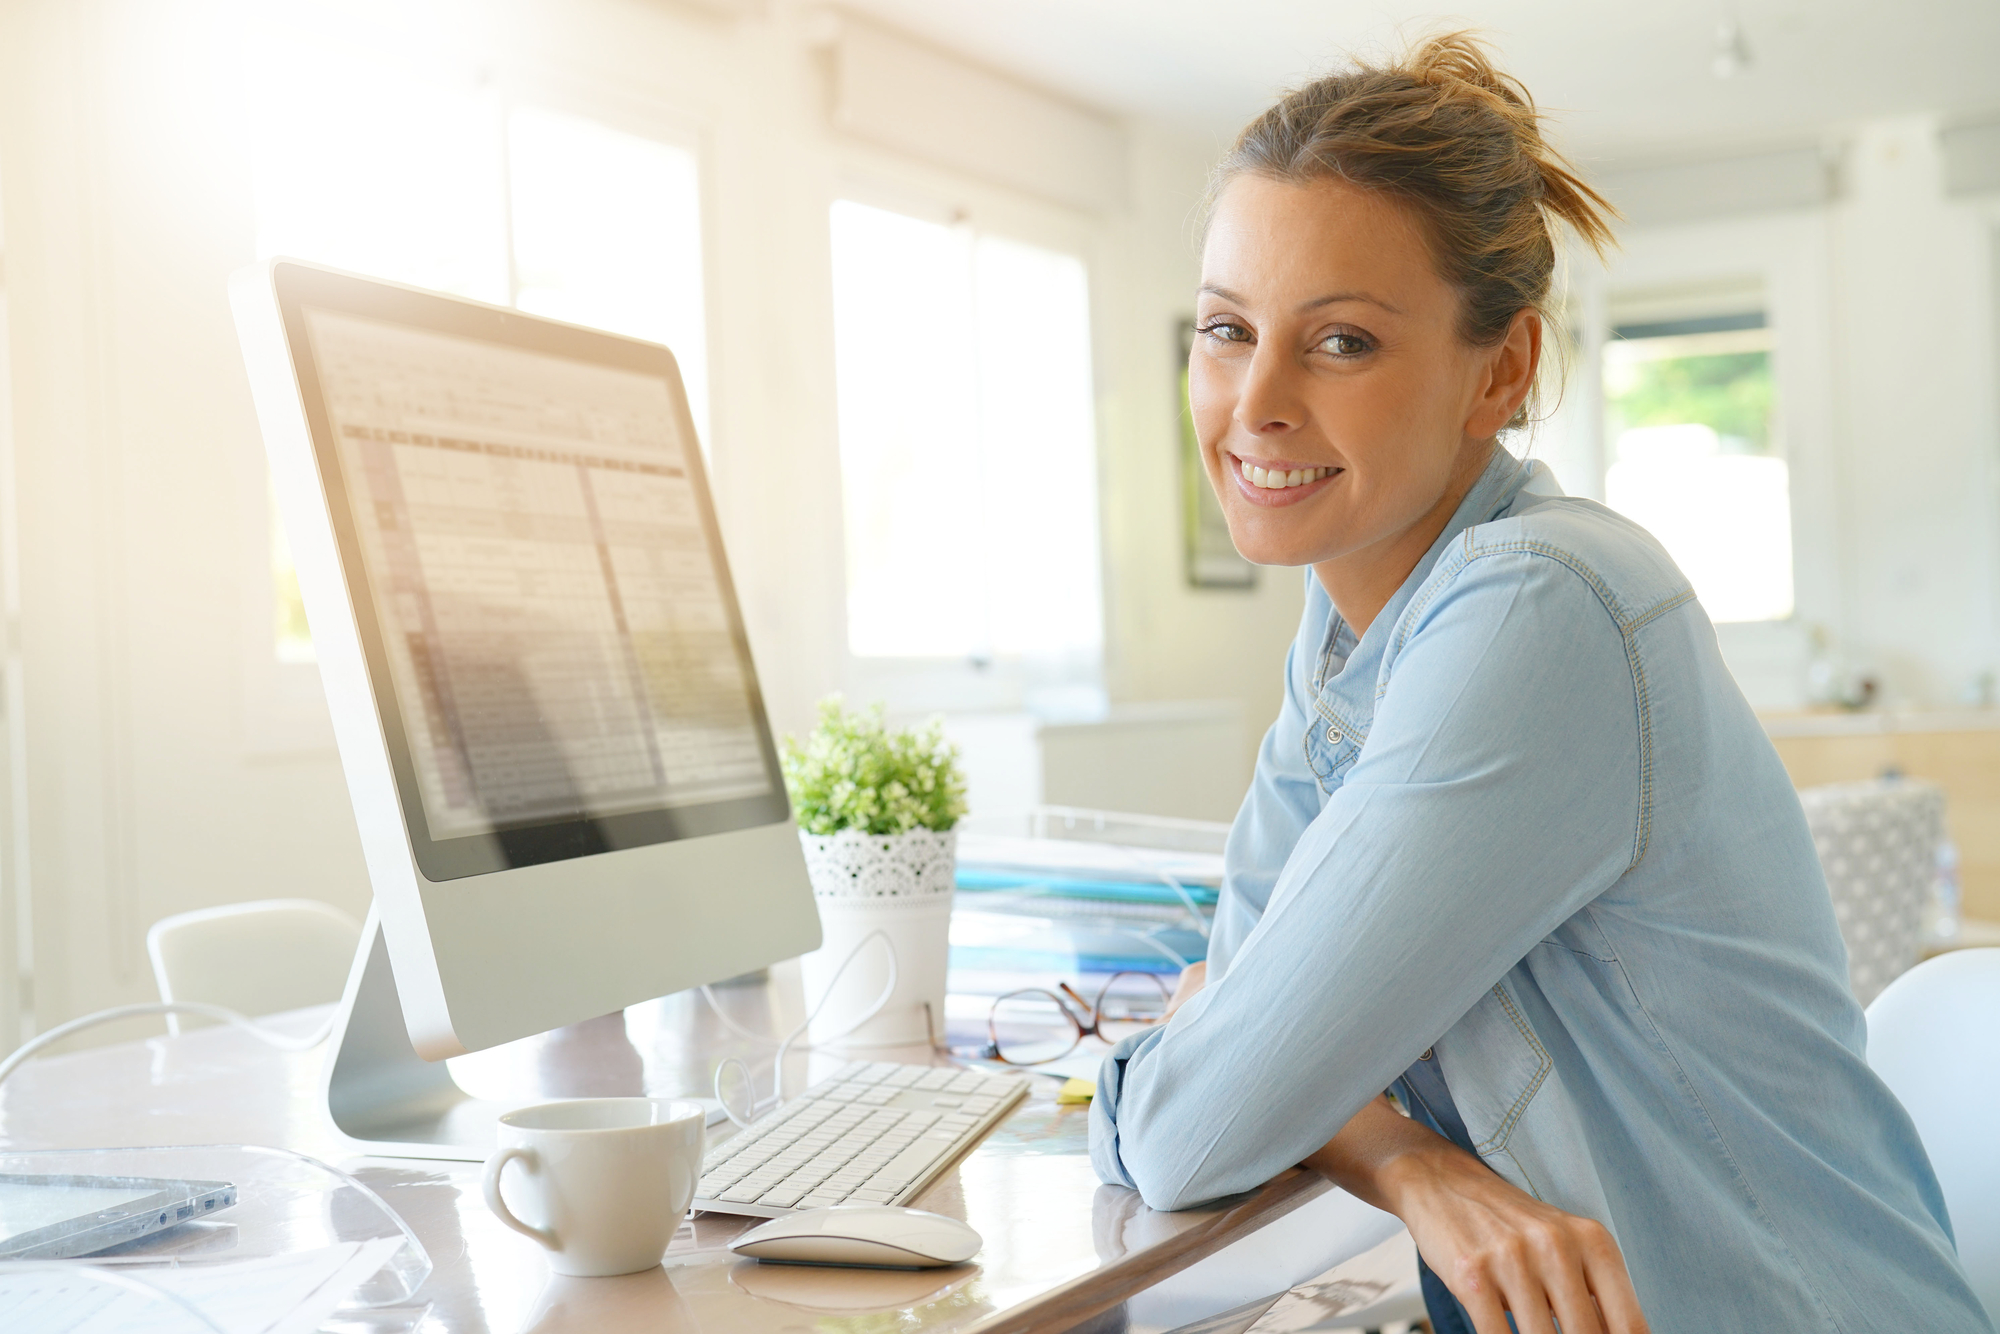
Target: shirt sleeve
1497 794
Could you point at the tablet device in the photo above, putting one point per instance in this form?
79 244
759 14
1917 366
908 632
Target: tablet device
57 1217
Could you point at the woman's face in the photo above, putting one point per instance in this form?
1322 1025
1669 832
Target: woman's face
1337 406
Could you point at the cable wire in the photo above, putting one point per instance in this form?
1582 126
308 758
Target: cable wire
282 1041
784 1044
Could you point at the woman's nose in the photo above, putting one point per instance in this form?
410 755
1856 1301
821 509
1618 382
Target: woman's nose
1270 402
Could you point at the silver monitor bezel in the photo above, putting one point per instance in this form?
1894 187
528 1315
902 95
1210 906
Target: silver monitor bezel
299 287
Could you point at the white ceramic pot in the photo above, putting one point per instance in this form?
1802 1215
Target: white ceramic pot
900 885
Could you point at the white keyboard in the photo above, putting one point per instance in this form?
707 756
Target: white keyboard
874 1133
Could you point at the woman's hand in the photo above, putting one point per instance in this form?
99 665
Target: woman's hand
1497 1248
1193 978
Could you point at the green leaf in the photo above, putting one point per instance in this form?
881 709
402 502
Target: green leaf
852 772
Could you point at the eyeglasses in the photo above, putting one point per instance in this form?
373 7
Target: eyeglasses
1035 1026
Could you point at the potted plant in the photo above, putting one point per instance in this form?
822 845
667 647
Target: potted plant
876 810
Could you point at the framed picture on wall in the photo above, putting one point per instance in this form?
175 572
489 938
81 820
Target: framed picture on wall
1211 558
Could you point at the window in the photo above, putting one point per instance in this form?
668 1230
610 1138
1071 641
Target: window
967 445
1695 454
444 185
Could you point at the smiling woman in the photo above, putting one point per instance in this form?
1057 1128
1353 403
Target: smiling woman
1515 846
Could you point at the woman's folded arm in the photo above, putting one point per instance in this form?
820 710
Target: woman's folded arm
1497 794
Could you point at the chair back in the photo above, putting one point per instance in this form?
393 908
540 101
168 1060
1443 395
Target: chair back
1934 1037
1878 844
257 958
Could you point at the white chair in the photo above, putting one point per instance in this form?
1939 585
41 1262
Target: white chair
1934 1037
256 958
1878 844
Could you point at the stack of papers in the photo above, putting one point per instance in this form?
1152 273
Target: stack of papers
1068 907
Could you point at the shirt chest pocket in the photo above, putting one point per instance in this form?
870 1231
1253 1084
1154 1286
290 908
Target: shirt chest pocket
1332 744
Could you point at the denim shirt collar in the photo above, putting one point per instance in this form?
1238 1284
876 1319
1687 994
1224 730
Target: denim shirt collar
1345 678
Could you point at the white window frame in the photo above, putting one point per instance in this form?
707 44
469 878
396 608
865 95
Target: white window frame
931 685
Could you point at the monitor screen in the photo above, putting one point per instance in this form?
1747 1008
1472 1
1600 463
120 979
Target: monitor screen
537 577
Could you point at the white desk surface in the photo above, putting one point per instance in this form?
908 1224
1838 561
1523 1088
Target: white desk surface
1061 1249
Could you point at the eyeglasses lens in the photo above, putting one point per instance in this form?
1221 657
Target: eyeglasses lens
1029 1027
1130 1003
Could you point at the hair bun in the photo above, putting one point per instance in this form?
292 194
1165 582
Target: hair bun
1460 58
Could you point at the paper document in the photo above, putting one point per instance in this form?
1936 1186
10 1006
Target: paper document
282 1294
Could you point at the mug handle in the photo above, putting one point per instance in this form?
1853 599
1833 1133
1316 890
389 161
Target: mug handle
490 1187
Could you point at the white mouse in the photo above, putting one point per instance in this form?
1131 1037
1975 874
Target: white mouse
875 1236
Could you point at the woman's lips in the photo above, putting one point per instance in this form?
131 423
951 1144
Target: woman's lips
1255 479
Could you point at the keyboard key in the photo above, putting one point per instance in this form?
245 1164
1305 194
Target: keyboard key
907 1166
783 1197
966 1081
743 1194
820 1199
904 1077
942 1101
871 1197
935 1079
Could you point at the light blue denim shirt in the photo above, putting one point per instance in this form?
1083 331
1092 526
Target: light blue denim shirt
1528 820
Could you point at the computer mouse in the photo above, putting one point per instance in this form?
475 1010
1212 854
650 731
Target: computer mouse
873 1236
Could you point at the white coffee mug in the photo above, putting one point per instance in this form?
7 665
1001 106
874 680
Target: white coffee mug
605 1181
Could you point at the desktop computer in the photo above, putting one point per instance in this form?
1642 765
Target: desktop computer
550 725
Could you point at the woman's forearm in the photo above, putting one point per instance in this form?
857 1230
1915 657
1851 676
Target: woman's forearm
1377 1153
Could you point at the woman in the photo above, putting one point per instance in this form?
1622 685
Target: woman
1515 845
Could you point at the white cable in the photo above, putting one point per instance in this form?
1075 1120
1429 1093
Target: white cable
282 1041
785 1044
1132 856
1200 922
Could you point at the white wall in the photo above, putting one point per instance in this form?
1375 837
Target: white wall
1917 378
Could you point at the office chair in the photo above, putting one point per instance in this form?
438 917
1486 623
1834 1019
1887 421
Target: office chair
1933 1039
257 958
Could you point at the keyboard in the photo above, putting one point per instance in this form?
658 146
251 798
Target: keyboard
872 1133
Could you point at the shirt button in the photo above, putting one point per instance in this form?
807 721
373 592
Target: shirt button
1428 1051
1333 735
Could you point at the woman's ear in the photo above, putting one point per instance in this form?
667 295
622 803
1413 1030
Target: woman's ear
1509 374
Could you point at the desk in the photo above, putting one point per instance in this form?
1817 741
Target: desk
1061 1250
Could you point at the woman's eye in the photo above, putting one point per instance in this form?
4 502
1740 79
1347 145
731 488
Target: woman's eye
1345 345
1222 331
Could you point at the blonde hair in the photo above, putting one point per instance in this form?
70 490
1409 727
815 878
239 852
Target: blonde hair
1458 141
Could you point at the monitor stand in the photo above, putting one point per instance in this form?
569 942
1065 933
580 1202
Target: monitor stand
383 1098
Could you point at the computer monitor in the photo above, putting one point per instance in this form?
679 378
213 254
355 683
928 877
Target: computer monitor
544 701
